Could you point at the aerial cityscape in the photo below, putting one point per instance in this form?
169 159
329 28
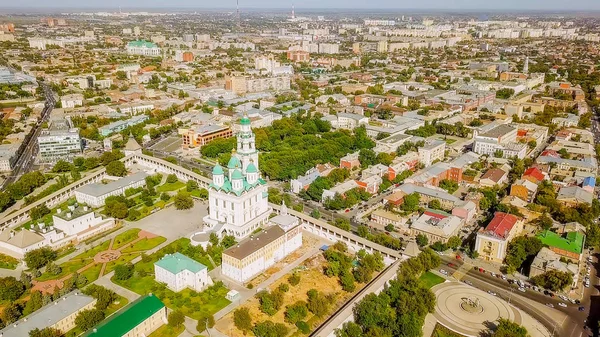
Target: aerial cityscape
327 169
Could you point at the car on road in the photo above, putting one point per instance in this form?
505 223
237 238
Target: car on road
550 305
451 264
491 293
563 297
581 308
564 305
443 272
468 282
521 289
504 277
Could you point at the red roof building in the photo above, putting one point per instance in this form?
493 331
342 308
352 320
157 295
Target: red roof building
501 225
550 153
534 173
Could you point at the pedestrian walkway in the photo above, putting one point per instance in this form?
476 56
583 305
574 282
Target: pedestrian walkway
462 271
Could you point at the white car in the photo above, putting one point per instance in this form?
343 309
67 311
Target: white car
563 297
491 293
562 304
493 274
522 290
550 305
504 277
587 284
443 272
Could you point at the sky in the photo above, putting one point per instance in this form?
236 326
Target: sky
542 5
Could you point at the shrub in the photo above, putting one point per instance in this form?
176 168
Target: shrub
303 327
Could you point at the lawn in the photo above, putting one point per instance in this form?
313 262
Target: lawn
8 262
123 259
144 244
68 268
448 140
125 238
430 279
442 331
169 187
92 252
168 331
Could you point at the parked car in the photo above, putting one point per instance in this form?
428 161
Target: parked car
563 297
564 305
468 282
451 264
581 309
522 290
443 272
491 293
550 305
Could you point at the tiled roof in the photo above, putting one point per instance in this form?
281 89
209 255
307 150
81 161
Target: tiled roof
501 224
535 173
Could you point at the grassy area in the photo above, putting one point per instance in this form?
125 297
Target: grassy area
168 331
101 235
116 305
8 262
144 244
442 331
123 259
430 279
68 268
170 187
125 238
448 140
92 252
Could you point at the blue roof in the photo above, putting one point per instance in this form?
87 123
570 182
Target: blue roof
237 174
218 170
233 162
589 181
251 168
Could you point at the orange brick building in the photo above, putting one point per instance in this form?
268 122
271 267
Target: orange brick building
204 134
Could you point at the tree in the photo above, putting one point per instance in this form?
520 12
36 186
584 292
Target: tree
411 202
296 312
191 185
87 319
183 200
172 178
91 163
294 279
242 319
176 318
349 329
38 258
317 303
519 249
507 328
362 231
553 279
422 240
116 168
39 212
435 204
269 329
123 272
45 332
11 313
505 93
449 185
62 166
270 302
205 320
389 227
104 297
347 281
11 289
454 242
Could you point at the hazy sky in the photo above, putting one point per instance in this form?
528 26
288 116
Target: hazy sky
399 4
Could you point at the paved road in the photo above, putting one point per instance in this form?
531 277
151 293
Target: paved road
571 327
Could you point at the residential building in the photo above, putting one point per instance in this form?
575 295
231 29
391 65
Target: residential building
298 55
178 272
465 210
303 182
140 318
523 189
535 175
493 177
501 138
569 245
8 153
340 189
257 253
59 315
547 260
447 200
348 121
350 161
201 135
574 195
436 226
143 47
242 85
492 241
380 218
238 200
94 194
60 141
432 151
71 101
119 126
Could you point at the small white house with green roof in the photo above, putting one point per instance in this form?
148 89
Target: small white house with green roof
143 47
178 272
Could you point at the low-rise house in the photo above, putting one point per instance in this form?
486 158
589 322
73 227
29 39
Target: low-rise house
303 182
426 194
570 245
81 222
178 272
492 241
95 194
380 218
436 226
574 195
340 189
589 183
465 210
139 318
350 161
370 184
432 151
71 101
547 260
348 121
524 189
493 177
535 175
59 315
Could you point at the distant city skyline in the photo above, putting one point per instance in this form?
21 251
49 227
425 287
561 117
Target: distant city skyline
541 5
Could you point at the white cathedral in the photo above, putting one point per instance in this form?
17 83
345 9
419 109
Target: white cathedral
238 199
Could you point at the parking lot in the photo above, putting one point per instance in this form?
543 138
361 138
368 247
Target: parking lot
169 144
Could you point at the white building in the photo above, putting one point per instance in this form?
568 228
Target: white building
61 141
18 243
178 272
432 151
143 47
71 101
346 121
238 201
500 138
7 156
81 222
257 253
95 194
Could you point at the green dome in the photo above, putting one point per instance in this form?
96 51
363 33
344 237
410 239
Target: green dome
251 168
233 162
237 174
218 170
245 121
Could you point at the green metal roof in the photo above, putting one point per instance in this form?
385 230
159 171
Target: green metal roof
233 162
237 174
128 318
142 43
245 120
176 263
572 242
251 168
218 170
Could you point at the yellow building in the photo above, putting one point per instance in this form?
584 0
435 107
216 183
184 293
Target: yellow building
492 241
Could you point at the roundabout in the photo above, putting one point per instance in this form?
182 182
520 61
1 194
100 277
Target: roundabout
469 311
